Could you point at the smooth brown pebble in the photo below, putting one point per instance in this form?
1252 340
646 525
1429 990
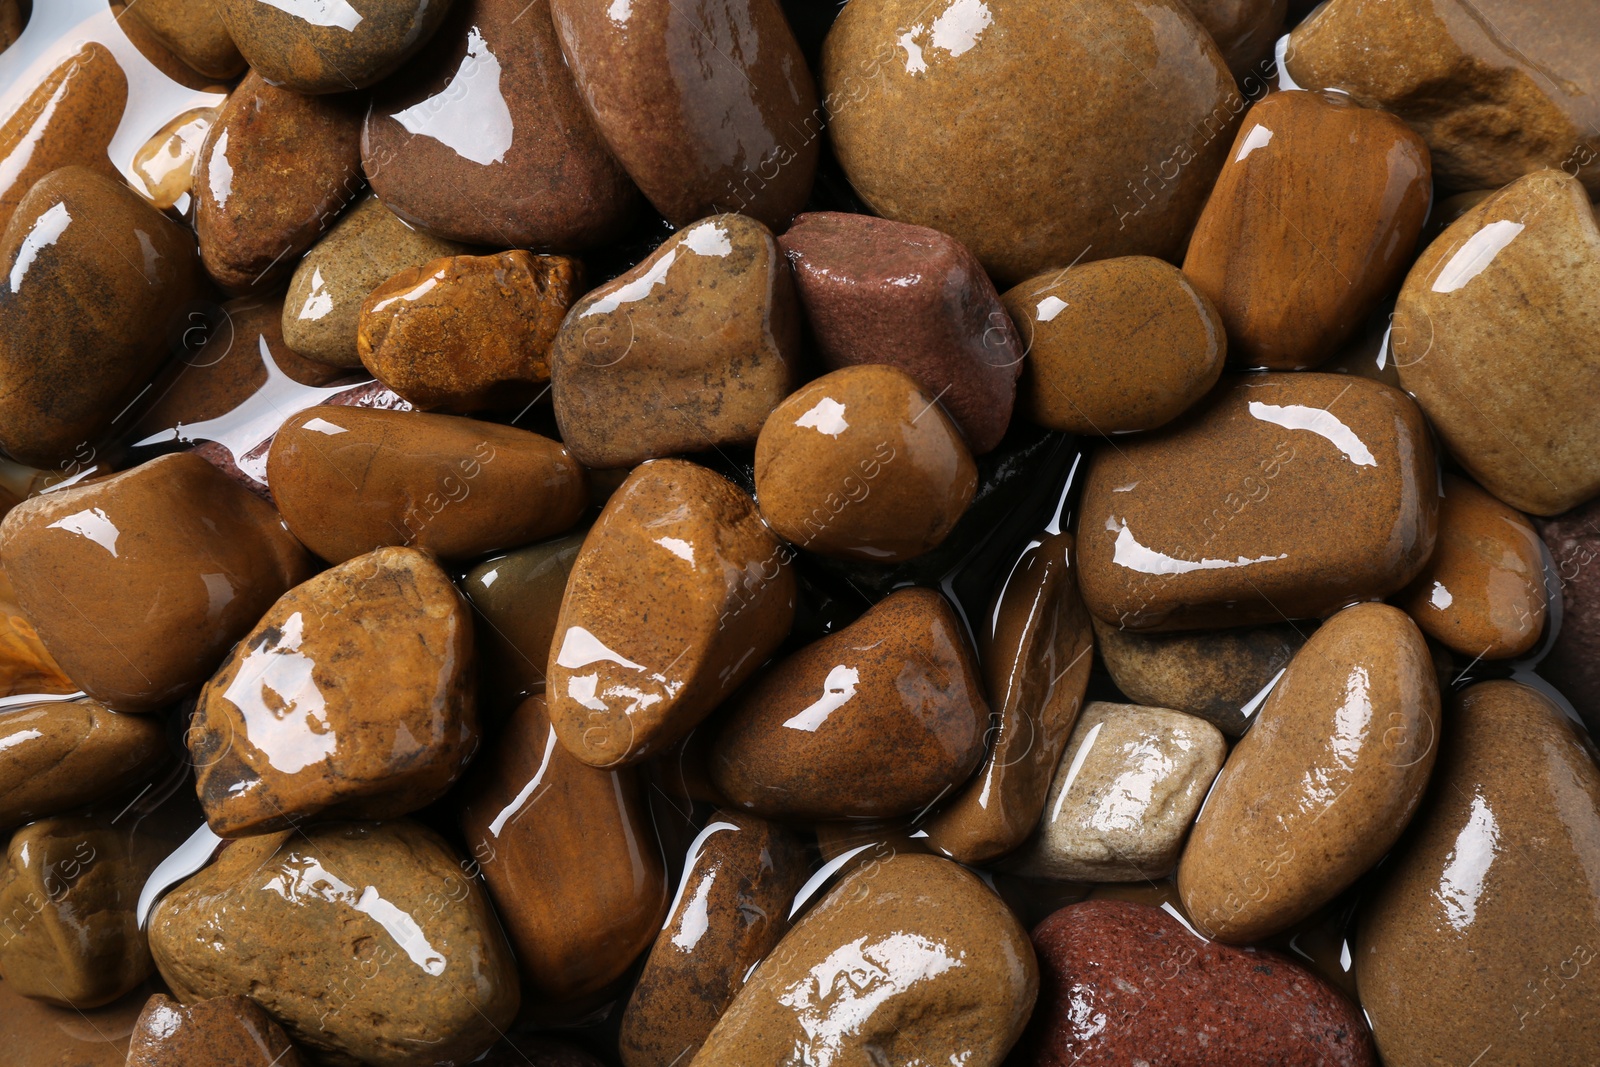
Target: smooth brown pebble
66 753
195 32
329 46
518 598
217 1032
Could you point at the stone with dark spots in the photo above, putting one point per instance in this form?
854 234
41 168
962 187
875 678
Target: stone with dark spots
330 46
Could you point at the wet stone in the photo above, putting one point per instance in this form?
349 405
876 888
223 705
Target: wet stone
165 165
1244 31
60 755
330 46
1573 662
220 1031
517 598
195 32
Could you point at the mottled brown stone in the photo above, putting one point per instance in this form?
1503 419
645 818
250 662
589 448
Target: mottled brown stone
329 46
218 1032
194 30
63 754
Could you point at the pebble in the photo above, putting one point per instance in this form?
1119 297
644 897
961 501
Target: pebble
688 351
1244 31
1494 334
1323 785
907 960
1573 662
59 755
139 583
1287 496
1482 593
468 333
1498 89
863 464
709 106
1115 346
877 291
365 248
732 908
352 697
275 172
1099 160
349 480
165 165
329 46
1036 664
195 32
486 139
517 597
217 1032
570 858
1211 674
26 668
679 594
1124 794
1296 253
1482 939
82 324
367 943
882 718
1121 982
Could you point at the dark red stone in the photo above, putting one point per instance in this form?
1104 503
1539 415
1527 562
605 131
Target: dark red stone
1123 983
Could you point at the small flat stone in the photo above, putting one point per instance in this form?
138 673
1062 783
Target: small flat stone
863 464
195 32
679 594
1117 345
64 754
349 480
1324 783
809 739
1124 794
352 697
365 942
689 350
877 291
365 248
1573 662
468 333
218 1032
329 46
517 597
939 972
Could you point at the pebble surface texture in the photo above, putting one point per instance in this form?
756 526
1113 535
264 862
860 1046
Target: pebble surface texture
329 46
218 1032
195 31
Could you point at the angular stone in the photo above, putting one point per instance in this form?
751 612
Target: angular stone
140 583
365 942
689 350
1494 334
1117 345
349 480
1111 130
877 291
468 333
938 971
194 30
863 464
1497 88
679 594
1125 792
487 141
1482 593
810 739
221 1031
352 697
1323 785
365 248
1157 992
1483 938
63 754
732 908
709 106
1286 496
275 172
96 280
1295 253
1211 674
1573 661
165 165
1036 667
330 46
517 598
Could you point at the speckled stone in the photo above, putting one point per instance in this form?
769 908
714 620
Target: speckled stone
364 249
877 291
939 972
1112 118
364 941
1323 785
1573 662
1296 253
62 754
1168 997
195 32
1483 939
679 594
330 46
468 333
863 464
218 1032
879 719
689 350
1286 495
1494 334
1118 345
352 697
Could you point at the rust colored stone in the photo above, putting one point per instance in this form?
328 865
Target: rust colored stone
218 1032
